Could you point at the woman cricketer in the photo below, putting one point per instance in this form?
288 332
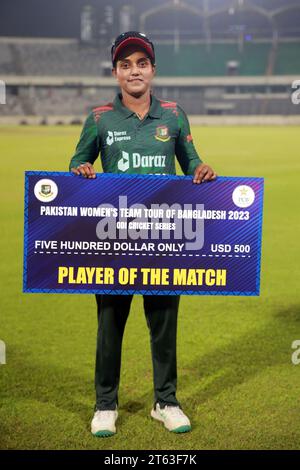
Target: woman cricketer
142 124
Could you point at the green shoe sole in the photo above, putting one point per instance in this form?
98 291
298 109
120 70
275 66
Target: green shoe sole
182 429
104 433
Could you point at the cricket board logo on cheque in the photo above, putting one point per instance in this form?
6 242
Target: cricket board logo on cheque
45 190
243 196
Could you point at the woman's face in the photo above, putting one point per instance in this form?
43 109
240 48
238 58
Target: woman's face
134 71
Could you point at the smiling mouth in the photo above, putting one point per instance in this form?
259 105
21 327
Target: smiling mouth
135 80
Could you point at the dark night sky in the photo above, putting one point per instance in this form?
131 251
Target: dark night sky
41 18
53 18
61 18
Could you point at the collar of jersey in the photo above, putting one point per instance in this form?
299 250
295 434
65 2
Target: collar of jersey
155 110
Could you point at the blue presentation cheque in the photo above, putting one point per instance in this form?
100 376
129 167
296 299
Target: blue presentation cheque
142 234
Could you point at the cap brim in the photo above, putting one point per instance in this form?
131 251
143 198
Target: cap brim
136 41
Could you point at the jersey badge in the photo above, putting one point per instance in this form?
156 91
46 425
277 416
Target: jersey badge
162 133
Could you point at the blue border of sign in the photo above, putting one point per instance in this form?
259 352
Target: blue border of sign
133 291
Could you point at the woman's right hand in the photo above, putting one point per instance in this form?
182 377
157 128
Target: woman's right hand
85 169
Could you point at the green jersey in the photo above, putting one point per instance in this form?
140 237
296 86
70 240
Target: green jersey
128 144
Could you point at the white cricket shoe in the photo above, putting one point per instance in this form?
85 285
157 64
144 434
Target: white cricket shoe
103 423
173 418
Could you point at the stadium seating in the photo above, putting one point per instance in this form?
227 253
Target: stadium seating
64 58
50 59
49 101
195 60
288 59
7 65
73 59
13 106
62 101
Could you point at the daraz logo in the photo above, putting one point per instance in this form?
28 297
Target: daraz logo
123 163
141 161
116 136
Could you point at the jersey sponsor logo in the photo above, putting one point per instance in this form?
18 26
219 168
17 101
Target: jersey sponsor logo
162 134
141 161
123 163
116 136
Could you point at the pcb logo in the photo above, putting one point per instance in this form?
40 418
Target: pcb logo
45 190
162 133
243 196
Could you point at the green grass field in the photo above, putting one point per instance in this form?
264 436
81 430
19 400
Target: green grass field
236 380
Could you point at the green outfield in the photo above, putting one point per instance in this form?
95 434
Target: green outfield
236 381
